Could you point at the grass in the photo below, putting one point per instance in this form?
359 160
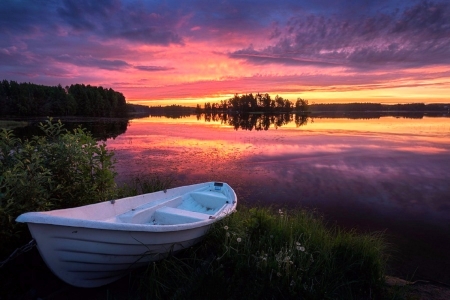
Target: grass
259 253
144 184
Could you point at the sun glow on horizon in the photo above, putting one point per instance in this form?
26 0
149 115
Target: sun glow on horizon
398 91
385 96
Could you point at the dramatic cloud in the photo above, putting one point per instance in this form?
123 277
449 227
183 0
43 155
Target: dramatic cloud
113 19
418 36
176 49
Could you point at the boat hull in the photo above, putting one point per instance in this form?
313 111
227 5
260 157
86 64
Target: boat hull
86 257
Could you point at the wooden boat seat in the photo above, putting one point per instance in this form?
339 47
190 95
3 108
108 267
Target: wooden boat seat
171 216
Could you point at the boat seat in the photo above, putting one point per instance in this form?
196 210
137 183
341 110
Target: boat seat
143 213
210 199
171 216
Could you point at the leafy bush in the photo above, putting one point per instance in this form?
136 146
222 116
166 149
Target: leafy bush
57 170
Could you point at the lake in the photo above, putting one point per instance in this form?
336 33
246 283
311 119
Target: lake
387 174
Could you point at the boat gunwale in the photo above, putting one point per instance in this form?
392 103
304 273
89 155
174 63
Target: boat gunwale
40 218
46 218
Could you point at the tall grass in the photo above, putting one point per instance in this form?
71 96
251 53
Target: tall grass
260 253
142 184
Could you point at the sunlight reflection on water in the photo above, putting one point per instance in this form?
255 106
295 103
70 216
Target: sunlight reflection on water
379 174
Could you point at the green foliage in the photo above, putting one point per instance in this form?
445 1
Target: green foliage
261 254
58 170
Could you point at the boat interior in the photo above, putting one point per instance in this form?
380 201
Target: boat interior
192 207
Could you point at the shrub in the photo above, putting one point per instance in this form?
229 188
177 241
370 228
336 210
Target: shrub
57 170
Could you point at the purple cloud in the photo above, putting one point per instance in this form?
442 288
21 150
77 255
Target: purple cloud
150 35
418 36
104 19
261 57
89 61
153 68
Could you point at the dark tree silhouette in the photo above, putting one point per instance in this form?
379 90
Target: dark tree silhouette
28 99
249 103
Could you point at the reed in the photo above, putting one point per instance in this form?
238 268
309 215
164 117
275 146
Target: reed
260 253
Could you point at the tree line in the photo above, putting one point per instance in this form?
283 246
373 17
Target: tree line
28 99
255 103
378 107
249 103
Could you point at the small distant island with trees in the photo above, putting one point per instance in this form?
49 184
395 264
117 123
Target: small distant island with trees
256 103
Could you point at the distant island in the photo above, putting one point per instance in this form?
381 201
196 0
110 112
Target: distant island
259 103
263 103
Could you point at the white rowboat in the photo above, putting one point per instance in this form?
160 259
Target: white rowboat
93 245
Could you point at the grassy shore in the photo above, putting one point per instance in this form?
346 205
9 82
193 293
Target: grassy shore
259 253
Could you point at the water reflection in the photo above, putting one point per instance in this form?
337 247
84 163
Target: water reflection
171 115
379 114
264 121
101 129
255 121
387 174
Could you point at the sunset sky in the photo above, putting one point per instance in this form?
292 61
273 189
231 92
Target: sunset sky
188 52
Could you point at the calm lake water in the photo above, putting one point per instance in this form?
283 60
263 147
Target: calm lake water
383 174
